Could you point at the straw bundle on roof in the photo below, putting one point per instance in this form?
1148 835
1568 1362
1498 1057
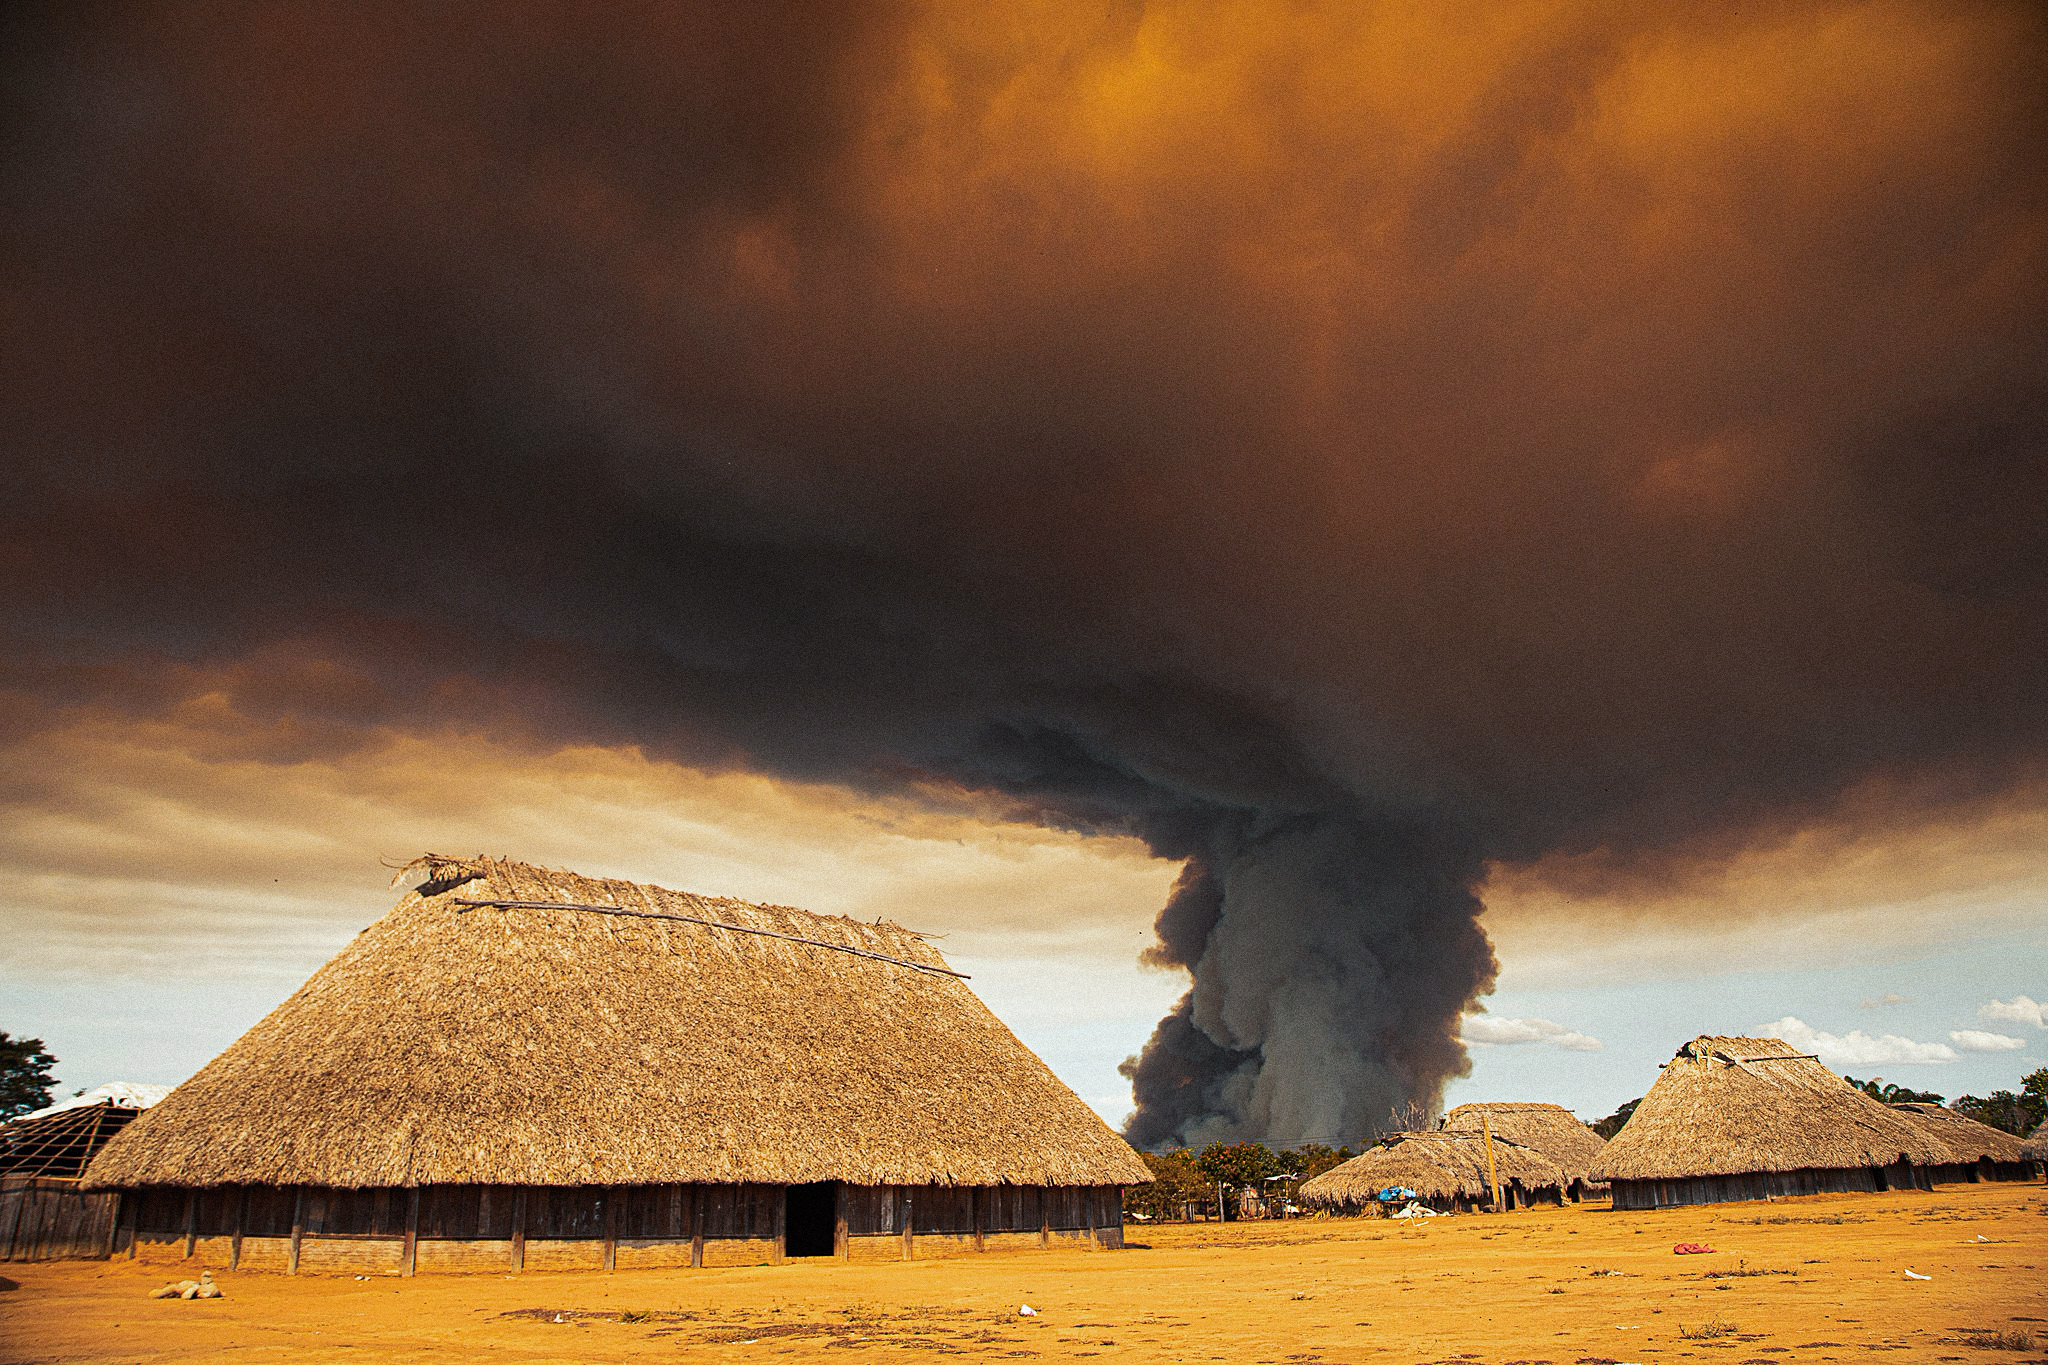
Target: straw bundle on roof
1440 1167
1741 1107
1546 1128
1965 1139
680 1039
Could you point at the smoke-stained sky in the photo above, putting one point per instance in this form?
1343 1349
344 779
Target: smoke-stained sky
1348 449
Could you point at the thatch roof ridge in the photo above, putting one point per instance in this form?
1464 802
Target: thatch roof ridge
1436 1165
1733 1106
1548 1128
1966 1139
483 1032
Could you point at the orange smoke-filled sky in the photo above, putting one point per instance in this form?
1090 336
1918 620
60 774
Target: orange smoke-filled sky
1567 473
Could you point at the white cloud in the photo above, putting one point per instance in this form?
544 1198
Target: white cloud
1976 1040
2018 1010
1490 1030
1884 1001
1856 1048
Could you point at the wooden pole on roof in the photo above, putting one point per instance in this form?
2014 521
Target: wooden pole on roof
1492 1178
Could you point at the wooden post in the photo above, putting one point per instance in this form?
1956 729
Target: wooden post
842 1245
518 1230
696 1227
980 1214
1088 1203
611 1228
114 1224
907 1214
241 1222
409 1260
291 1259
1486 1131
1044 1217
191 1222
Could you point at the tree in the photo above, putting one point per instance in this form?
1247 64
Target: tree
25 1080
1175 1182
1613 1123
2002 1109
1885 1093
2034 1097
1237 1163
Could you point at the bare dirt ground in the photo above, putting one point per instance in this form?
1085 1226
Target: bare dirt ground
1820 1279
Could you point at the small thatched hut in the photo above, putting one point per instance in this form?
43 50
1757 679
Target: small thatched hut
1447 1171
1749 1118
1977 1151
1546 1128
519 1068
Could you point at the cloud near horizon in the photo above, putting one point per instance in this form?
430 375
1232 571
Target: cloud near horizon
1489 1030
2020 1009
1357 455
1977 1040
1856 1048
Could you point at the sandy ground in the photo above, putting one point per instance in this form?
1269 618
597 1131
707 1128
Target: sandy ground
1794 1281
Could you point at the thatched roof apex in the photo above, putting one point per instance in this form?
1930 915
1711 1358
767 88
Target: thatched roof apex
1437 1165
679 1039
1731 1106
1547 1128
1966 1139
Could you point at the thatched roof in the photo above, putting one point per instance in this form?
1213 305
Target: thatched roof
1966 1139
1546 1128
1436 1165
680 1039
1730 1106
2035 1148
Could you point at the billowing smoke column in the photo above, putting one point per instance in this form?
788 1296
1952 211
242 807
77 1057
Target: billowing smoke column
1341 450
1332 955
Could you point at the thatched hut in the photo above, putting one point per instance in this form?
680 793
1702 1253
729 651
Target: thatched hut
1749 1118
1546 1128
1447 1171
524 1069
1977 1151
2035 1148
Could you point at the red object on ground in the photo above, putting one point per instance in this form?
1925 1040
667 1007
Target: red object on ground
1691 1249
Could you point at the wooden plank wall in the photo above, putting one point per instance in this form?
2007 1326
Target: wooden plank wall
503 1227
43 1218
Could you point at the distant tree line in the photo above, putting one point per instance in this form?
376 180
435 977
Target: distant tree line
1186 1176
2018 1112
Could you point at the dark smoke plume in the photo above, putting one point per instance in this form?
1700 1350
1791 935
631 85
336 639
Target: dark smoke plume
1344 451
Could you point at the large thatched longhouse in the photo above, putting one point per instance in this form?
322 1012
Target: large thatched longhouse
519 1068
1447 1171
1749 1118
1546 1128
1977 1151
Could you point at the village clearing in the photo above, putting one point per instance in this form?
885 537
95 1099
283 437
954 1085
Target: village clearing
1798 1280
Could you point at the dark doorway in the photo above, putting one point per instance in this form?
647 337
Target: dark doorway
810 1219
